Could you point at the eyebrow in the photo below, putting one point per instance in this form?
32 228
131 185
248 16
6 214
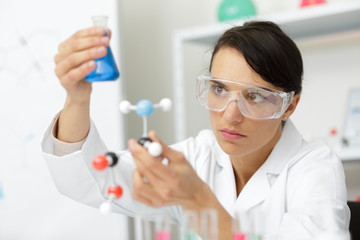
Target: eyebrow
214 79
220 83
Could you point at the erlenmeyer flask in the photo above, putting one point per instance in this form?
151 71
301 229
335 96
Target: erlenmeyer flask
106 69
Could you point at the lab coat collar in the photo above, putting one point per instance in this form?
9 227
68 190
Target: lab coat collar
288 144
258 187
254 192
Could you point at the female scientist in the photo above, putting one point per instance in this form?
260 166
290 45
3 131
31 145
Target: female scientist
252 160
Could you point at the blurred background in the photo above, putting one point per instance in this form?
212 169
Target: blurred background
161 46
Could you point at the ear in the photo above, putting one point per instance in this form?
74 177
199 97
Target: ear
289 111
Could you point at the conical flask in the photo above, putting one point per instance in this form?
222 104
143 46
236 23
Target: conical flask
106 69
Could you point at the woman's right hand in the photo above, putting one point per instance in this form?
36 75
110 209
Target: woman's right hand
75 60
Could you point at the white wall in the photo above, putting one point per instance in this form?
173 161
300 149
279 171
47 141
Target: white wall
30 94
331 66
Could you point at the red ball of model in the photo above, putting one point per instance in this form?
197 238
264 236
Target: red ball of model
115 190
100 162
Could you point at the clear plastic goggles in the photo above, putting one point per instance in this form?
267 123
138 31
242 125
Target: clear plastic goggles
253 101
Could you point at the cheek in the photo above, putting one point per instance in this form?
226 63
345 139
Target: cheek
263 132
213 117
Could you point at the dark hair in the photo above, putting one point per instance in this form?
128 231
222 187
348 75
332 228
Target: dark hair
268 51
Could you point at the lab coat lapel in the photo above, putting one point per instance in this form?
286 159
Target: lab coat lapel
254 192
224 188
289 143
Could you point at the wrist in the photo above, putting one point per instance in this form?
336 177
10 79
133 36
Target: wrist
202 197
77 101
205 198
74 121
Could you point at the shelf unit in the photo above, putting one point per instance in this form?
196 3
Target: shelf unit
349 154
302 23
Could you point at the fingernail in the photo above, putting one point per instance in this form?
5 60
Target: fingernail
104 40
99 30
132 145
153 134
100 49
91 64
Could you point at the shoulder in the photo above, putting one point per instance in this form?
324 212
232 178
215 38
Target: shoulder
313 153
316 165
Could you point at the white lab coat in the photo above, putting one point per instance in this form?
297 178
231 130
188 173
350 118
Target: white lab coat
299 187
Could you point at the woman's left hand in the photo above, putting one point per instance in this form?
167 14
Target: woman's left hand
177 183
158 185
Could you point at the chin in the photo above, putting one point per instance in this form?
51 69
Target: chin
233 149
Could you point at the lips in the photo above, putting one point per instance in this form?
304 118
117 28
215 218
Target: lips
231 134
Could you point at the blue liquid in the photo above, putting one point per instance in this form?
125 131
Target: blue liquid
106 69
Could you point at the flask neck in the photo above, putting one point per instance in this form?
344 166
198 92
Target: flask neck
100 21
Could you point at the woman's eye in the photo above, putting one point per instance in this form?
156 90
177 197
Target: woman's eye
219 90
256 97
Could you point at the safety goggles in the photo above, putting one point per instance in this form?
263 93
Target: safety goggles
253 101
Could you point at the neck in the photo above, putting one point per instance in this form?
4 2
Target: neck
245 166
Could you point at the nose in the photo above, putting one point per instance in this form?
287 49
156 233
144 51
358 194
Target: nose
232 113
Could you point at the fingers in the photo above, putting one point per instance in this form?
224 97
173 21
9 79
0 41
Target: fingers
150 166
78 41
145 193
167 152
75 56
78 58
77 45
81 40
77 73
164 185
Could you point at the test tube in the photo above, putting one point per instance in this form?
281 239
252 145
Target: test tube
142 228
138 228
162 227
190 225
209 224
238 232
256 220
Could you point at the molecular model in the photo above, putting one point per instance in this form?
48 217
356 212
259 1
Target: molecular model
144 108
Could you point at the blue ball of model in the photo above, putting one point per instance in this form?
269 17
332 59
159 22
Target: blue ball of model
144 108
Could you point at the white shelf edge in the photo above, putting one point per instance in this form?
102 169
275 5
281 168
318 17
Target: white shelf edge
348 154
282 18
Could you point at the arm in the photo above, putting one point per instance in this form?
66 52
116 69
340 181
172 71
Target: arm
174 184
72 173
74 61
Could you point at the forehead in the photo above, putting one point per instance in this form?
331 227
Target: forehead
229 63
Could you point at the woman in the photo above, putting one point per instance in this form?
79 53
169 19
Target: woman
253 160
